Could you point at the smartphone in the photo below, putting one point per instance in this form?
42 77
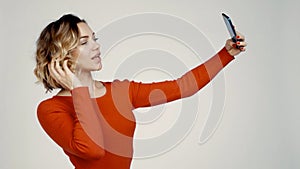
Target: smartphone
230 27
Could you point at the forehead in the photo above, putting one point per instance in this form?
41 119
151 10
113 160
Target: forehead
84 29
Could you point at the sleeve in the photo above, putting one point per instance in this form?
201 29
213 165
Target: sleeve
79 135
150 94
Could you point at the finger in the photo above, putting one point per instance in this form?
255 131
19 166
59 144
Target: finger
53 72
232 44
242 48
58 68
240 37
242 43
239 43
66 68
55 75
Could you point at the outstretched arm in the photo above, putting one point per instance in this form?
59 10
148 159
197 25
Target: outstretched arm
150 94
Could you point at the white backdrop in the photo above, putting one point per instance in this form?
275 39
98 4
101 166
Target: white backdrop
259 128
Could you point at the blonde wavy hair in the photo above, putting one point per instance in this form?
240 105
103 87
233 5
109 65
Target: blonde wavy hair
55 42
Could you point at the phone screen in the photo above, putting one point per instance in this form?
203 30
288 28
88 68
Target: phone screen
230 27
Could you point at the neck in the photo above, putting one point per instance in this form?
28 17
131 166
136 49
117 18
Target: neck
87 80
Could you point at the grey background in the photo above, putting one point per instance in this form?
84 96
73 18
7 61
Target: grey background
259 128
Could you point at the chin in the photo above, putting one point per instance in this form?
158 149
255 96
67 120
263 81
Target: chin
98 68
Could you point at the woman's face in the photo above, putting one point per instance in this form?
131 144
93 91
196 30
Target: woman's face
88 50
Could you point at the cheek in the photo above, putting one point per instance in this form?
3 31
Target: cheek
82 52
82 55
82 58
75 54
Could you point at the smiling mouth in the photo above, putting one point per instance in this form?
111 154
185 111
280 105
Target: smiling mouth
96 56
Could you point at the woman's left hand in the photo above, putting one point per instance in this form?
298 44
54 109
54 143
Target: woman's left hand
238 47
63 75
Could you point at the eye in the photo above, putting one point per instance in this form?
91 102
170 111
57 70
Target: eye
83 43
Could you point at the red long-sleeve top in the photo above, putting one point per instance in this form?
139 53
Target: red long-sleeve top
97 133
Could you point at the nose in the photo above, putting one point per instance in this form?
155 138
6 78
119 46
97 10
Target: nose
96 46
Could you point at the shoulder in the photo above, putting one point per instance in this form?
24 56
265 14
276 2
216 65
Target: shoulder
45 104
54 104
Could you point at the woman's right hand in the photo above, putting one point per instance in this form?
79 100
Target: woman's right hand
63 75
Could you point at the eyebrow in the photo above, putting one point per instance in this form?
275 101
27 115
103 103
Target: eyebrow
87 36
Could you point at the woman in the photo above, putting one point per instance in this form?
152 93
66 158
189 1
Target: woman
92 120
